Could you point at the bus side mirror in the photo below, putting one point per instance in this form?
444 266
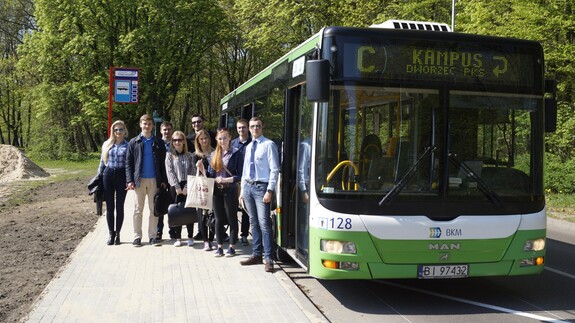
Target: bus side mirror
550 115
317 80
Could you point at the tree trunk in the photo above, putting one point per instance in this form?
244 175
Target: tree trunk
91 139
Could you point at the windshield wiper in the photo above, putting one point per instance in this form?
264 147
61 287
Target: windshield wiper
392 194
484 188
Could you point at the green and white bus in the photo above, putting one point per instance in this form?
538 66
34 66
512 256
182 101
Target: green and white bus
406 152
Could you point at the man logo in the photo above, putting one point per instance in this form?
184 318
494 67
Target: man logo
444 246
435 232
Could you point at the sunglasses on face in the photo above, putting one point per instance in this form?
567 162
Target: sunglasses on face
120 130
177 140
196 122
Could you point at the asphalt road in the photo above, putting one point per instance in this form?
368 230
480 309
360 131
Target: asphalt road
549 297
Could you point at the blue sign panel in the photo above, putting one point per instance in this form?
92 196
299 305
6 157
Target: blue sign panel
126 87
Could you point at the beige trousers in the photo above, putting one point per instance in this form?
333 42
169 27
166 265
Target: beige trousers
147 189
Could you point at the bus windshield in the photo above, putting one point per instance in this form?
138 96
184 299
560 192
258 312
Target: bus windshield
372 141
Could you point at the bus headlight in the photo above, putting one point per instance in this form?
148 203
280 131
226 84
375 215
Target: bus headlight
334 246
534 245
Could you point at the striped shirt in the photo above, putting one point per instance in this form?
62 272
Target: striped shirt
178 167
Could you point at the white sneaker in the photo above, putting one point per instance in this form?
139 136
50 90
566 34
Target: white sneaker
207 246
190 242
177 243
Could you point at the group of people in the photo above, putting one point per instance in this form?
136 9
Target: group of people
147 164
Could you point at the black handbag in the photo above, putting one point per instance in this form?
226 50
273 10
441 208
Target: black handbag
179 215
96 188
162 201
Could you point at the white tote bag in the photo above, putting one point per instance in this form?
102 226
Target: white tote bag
200 191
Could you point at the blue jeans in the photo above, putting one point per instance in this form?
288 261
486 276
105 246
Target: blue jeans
260 219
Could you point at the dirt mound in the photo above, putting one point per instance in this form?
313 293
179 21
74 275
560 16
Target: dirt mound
14 165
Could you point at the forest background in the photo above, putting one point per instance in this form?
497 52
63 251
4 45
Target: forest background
56 56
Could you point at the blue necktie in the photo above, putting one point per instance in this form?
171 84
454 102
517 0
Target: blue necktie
252 159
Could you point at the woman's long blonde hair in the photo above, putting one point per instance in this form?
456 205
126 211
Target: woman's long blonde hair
217 162
112 139
198 146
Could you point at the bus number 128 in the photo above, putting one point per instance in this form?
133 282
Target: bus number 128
340 223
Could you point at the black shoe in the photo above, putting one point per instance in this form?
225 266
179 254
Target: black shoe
253 260
111 238
269 266
117 240
159 236
137 242
155 242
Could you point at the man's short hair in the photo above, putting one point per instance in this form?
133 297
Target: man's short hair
254 119
198 116
166 124
243 121
146 117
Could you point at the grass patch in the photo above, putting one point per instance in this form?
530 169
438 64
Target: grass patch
561 206
59 171
68 170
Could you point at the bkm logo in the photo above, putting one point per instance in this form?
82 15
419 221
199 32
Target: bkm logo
435 232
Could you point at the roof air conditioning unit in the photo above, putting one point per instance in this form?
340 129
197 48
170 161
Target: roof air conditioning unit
413 25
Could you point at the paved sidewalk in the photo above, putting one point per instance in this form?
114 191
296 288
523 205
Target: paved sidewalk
122 283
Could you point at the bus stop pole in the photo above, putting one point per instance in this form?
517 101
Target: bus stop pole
110 99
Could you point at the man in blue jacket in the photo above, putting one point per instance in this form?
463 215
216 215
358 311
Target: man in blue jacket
145 173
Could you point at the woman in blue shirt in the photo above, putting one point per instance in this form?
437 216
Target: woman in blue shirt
113 168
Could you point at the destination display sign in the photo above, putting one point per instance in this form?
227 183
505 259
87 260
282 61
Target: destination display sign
126 85
454 62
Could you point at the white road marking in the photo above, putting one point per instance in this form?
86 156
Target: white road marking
484 305
560 272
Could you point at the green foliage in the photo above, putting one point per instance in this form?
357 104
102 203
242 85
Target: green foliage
561 142
559 175
77 42
50 144
423 10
